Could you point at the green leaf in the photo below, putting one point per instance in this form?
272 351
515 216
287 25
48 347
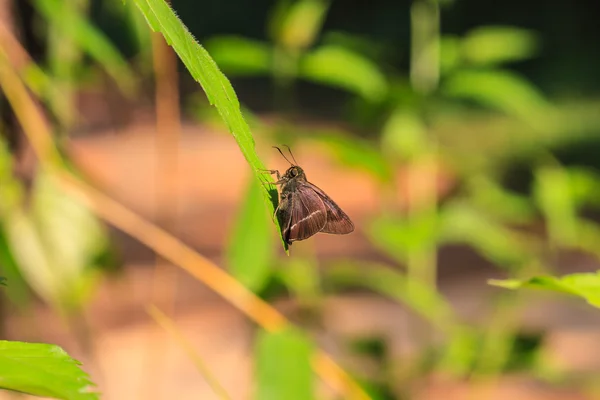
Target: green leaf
219 92
240 56
55 243
461 223
552 191
401 237
421 298
356 153
498 44
43 370
337 66
404 134
501 90
301 23
584 285
90 39
250 254
284 366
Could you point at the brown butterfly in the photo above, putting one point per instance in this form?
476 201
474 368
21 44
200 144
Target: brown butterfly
304 209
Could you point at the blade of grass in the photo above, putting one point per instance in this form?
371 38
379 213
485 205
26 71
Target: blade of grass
217 87
169 247
168 325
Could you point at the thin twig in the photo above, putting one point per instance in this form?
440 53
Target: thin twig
188 348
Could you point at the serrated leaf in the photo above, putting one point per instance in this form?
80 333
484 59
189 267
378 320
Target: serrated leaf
337 66
284 366
43 370
585 285
218 89
250 254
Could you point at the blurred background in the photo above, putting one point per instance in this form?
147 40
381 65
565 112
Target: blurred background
462 138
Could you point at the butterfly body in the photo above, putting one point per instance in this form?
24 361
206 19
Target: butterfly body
305 210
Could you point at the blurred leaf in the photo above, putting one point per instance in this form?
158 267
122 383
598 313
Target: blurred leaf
218 89
43 86
55 245
461 223
240 56
340 67
302 23
301 277
72 237
585 186
552 192
404 134
17 292
11 194
449 53
585 285
356 153
507 206
402 237
43 370
490 45
90 39
250 254
2 281
421 298
462 351
502 90
283 366
360 44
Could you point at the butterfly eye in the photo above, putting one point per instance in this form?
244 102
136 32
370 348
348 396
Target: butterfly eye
293 172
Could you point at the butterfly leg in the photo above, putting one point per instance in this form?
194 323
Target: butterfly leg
272 171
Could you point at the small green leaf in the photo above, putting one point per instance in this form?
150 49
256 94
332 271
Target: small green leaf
337 66
584 285
356 153
552 191
461 223
404 134
250 254
498 44
502 90
43 370
302 23
240 56
421 298
284 366
218 89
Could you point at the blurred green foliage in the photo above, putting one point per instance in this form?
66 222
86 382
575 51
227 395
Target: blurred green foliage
461 107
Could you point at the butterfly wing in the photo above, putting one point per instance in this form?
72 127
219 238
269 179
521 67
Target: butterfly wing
338 223
307 214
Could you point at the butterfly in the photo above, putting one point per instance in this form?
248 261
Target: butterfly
304 209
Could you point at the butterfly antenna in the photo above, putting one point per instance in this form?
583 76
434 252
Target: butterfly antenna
283 155
290 150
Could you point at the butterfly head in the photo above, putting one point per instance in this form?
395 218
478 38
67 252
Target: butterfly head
294 172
